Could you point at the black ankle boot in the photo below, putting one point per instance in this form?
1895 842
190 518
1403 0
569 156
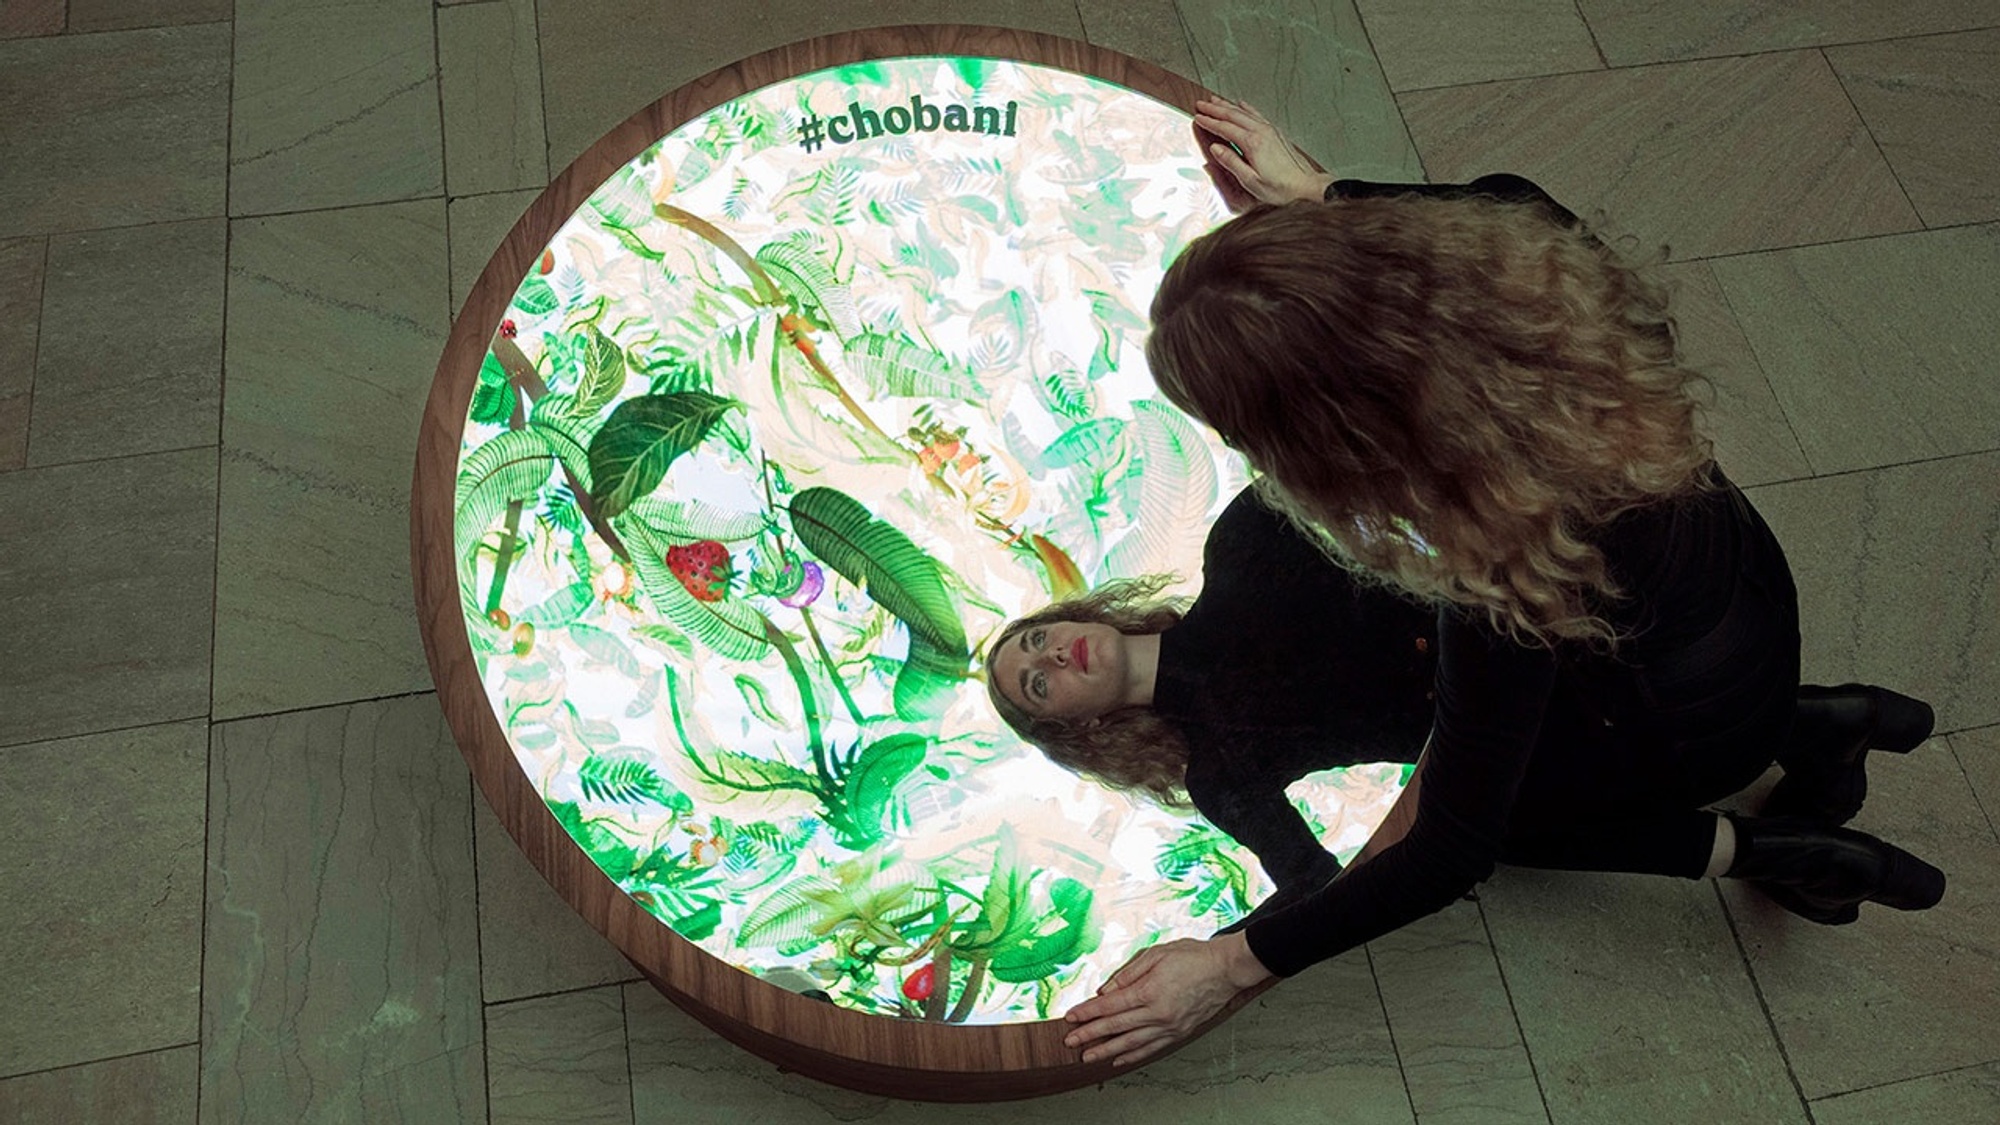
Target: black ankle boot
1824 874
1825 759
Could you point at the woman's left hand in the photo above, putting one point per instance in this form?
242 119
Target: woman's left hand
1161 996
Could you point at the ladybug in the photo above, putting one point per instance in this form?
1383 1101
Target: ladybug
702 568
920 984
508 330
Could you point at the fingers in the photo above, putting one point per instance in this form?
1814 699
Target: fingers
1117 1023
1236 166
1133 1047
1132 972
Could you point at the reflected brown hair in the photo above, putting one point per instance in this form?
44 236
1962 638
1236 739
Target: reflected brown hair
1132 747
1449 393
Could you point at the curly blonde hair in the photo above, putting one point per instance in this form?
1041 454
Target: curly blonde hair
1132 748
1451 393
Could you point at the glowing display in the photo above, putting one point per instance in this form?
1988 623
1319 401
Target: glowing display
786 422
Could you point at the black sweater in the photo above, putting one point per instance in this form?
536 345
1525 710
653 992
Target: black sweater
1695 658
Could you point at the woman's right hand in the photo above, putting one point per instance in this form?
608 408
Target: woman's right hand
1250 161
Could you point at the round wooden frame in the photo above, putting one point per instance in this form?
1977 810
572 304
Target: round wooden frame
876 1054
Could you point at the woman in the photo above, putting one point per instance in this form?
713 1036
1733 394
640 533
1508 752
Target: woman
1465 394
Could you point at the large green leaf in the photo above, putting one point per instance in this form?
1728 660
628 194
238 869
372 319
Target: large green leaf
561 607
1053 946
928 677
513 466
798 270
731 628
535 297
604 368
555 419
640 441
492 403
696 519
744 771
871 783
897 573
1095 444
790 914
895 367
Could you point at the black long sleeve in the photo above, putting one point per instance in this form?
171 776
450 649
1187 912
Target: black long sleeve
1490 698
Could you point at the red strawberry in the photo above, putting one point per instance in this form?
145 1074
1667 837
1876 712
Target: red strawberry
701 567
921 983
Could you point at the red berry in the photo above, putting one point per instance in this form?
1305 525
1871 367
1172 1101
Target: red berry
920 984
548 260
702 568
508 330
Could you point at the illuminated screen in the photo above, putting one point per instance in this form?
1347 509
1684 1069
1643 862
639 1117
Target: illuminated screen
785 423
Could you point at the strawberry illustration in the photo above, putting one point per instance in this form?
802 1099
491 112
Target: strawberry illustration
921 983
701 567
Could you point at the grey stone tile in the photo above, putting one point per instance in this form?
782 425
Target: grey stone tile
1424 43
117 15
1978 753
530 941
478 223
1643 31
1634 1000
1711 157
1753 438
341 981
559 1058
1933 104
1145 29
1307 65
334 104
1970 1096
103 870
1897 994
1315 1042
21 274
112 130
491 69
107 576
23 18
131 342
1897 578
1881 350
336 319
604 60
150 1089
1455 1031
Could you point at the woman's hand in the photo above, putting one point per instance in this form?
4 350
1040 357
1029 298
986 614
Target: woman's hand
1161 996
1250 161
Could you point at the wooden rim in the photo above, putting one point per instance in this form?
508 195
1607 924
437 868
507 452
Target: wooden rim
875 1054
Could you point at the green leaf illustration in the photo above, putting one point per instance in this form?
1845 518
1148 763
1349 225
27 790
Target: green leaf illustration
667 637
744 771
927 678
871 783
604 369
701 923
688 520
513 466
759 701
1053 947
1175 492
899 576
798 270
640 441
1095 445
622 201
535 298
605 649
561 607
629 781
896 367
492 403
568 436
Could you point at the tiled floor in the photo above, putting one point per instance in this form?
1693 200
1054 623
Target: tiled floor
248 878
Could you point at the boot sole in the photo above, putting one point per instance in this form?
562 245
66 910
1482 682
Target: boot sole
1908 884
1902 724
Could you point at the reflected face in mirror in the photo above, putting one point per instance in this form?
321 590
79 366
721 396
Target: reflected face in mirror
1073 671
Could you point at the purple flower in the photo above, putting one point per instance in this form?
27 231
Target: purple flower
809 586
